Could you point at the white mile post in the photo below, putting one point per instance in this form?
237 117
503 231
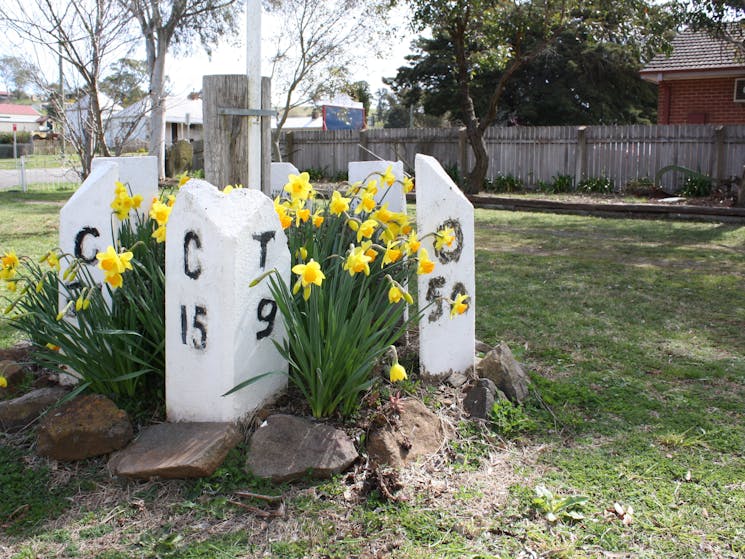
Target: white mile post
219 330
253 69
446 344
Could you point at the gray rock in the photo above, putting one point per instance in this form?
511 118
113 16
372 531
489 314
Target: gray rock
482 347
480 399
176 450
500 366
419 432
18 353
286 448
89 425
457 379
19 412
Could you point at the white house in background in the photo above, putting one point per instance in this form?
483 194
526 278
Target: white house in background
183 121
25 117
77 113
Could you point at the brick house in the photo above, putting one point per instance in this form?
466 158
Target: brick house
697 82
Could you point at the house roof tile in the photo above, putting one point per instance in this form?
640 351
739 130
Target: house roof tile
696 51
20 110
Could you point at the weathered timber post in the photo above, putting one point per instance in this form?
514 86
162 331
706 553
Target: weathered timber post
226 132
580 165
719 154
289 146
364 146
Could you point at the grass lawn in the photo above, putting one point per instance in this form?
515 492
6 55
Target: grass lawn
634 335
41 162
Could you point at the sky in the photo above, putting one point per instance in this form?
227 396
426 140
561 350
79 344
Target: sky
186 73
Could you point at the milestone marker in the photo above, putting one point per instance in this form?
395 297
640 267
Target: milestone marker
220 331
446 344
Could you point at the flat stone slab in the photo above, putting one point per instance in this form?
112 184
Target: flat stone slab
286 448
19 412
90 425
176 450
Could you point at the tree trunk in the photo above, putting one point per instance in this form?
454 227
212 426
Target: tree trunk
476 176
157 103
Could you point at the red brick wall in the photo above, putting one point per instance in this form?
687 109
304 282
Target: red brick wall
688 101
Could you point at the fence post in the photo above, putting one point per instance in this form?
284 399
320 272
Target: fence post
580 165
364 146
719 154
225 136
266 137
462 151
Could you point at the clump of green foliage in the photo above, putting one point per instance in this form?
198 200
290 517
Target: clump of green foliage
596 185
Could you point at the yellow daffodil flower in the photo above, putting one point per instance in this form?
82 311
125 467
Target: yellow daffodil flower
357 261
309 274
383 215
338 204
183 180
426 266
459 306
367 203
302 215
3 382
115 280
299 186
113 263
368 250
392 254
159 234
395 294
317 219
408 185
372 187
52 347
52 260
366 229
444 237
388 177
397 373
160 212
412 244
10 260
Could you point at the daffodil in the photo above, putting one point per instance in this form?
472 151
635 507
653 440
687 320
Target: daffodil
444 237
338 204
183 180
388 177
113 263
408 185
52 347
392 254
367 203
299 186
160 212
3 382
368 250
309 274
10 260
53 260
317 219
412 244
115 280
395 294
357 261
384 215
425 264
459 306
159 234
366 229
397 373
372 187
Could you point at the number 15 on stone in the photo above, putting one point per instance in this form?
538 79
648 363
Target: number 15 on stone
220 332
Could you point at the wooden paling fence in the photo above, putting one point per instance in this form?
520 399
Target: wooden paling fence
532 154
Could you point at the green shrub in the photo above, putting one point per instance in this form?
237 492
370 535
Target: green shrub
504 183
596 185
21 137
453 172
316 173
697 186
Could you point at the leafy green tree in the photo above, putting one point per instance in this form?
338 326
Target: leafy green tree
19 75
360 91
124 83
720 18
484 46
